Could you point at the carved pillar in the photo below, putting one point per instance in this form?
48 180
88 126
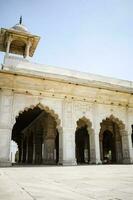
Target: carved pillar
117 144
34 153
24 150
68 137
21 159
69 156
27 148
60 149
27 49
6 98
92 149
101 151
87 149
126 147
30 148
44 122
49 155
8 45
95 147
38 144
20 153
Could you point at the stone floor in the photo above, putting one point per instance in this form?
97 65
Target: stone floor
102 182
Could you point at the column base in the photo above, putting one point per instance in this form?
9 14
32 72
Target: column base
96 162
5 164
127 161
49 162
69 163
59 162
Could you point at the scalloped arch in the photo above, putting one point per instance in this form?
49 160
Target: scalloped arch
48 110
116 120
87 122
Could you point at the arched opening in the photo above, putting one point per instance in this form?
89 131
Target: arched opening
37 136
82 141
110 142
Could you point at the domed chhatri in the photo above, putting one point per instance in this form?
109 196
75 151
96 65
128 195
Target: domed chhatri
20 27
18 40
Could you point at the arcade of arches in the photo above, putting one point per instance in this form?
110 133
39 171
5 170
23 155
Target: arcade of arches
37 137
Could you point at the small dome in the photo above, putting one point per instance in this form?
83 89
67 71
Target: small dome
19 27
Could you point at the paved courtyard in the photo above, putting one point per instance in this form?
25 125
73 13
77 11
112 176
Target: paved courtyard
102 182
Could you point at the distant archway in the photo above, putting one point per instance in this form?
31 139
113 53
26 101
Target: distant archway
82 140
110 138
36 132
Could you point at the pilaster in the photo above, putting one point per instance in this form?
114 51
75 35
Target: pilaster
5 138
69 147
68 138
95 141
126 147
6 98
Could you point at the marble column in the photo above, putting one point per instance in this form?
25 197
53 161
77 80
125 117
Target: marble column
30 148
27 49
27 148
6 98
95 148
38 144
87 149
34 153
24 151
126 147
48 154
20 153
5 138
8 45
69 156
60 162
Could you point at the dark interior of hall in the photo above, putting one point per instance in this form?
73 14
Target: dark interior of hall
82 145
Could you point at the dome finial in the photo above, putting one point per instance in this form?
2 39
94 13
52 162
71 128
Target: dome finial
20 20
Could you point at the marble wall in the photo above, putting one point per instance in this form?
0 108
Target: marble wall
66 103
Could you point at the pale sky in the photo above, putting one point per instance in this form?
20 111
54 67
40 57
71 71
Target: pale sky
93 36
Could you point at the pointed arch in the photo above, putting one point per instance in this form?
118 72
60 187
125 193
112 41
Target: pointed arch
85 121
83 137
116 120
36 128
110 138
46 109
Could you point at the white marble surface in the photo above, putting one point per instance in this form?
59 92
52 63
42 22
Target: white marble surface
16 64
101 182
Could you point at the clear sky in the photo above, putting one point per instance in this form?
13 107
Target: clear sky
94 36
